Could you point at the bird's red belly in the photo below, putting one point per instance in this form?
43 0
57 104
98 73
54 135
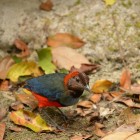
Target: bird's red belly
44 102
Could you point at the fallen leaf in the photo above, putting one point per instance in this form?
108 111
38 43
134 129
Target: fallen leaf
125 80
4 85
5 64
15 129
109 2
86 104
23 47
45 60
95 98
126 128
3 112
27 91
65 40
107 96
2 130
86 68
101 86
30 120
116 93
47 6
65 57
98 131
23 69
135 88
28 100
83 137
79 111
130 117
118 136
99 125
17 105
129 102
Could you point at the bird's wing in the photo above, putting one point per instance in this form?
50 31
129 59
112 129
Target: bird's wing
50 86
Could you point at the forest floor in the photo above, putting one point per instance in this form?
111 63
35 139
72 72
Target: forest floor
111 33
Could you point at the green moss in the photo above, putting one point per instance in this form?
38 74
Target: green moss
126 4
113 49
137 24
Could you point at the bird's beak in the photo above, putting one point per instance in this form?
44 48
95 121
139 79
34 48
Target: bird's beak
87 88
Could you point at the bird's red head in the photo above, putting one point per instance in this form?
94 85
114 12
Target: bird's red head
77 82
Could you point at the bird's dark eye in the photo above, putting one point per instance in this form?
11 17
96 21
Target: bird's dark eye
77 79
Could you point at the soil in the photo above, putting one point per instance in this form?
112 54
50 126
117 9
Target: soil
112 36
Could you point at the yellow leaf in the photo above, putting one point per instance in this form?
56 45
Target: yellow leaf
101 86
23 69
30 120
109 2
27 91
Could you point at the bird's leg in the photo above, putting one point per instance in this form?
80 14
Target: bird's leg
51 120
54 123
65 118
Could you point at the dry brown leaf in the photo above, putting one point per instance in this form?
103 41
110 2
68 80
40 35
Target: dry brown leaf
65 57
5 64
85 104
84 137
129 102
135 88
126 128
107 96
95 98
116 93
2 130
65 39
27 99
125 80
130 117
3 112
4 85
118 136
101 86
25 52
86 68
98 131
47 6
99 125
17 105
79 111
15 128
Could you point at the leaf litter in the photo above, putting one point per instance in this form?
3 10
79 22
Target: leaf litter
30 120
104 90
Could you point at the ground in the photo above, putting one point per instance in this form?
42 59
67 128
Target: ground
111 34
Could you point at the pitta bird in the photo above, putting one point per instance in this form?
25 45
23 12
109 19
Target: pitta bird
58 89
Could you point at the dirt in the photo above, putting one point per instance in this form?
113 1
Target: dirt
111 33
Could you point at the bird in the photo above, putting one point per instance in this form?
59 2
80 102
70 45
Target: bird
58 89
